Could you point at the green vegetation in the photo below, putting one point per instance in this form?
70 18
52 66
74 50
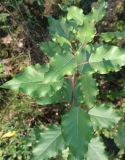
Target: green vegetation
70 105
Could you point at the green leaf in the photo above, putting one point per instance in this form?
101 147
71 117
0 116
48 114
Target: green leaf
61 30
89 89
35 82
71 157
61 40
41 81
120 136
96 150
50 48
104 116
61 65
82 58
112 36
87 31
50 142
98 11
107 58
64 95
86 34
77 131
76 14
58 27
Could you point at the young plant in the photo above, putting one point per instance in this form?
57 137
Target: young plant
68 78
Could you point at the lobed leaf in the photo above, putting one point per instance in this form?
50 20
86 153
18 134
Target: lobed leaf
61 65
96 150
107 58
87 31
76 14
59 27
50 48
34 81
98 11
89 89
77 131
64 95
43 81
86 34
49 144
61 30
104 116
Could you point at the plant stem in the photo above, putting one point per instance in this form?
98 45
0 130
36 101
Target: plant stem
73 87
